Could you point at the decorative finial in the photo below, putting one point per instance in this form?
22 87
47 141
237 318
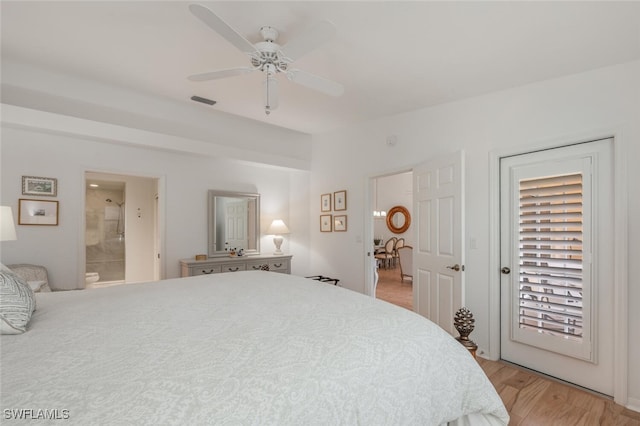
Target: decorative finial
464 323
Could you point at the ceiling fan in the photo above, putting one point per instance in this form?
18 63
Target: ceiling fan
270 58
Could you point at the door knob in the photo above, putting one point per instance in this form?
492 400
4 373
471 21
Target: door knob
455 267
505 270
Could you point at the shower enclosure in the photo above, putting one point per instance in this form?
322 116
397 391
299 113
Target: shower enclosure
105 230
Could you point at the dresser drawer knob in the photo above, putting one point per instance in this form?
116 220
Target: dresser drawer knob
277 265
210 271
237 268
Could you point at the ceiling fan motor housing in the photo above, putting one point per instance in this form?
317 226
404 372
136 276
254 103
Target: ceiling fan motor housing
268 52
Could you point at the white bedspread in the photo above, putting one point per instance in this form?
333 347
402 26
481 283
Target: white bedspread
245 348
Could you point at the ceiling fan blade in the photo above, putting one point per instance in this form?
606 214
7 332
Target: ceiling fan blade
309 40
321 84
218 25
213 75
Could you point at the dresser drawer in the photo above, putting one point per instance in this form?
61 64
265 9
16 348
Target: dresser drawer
204 269
280 265
233 267
257 265
275 265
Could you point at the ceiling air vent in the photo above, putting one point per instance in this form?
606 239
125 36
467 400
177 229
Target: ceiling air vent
203 100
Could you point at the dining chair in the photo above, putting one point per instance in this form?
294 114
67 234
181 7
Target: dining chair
386 257
405 258
399 243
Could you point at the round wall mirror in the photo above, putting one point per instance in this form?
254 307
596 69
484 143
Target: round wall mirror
398 219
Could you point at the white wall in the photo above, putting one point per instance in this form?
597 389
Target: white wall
185 177
140 226
592 103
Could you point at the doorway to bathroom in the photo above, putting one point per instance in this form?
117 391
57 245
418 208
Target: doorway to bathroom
121 226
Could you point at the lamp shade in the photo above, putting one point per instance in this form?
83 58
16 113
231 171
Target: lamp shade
7 228
277 227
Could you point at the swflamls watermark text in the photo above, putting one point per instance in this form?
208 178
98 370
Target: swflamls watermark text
35 414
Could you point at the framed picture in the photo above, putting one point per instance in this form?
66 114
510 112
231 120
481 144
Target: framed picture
325 223
340 200
37 212
340 223
325 202
41 186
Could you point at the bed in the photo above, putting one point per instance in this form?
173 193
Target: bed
243 348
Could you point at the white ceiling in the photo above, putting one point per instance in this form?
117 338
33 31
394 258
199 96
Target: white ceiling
391 56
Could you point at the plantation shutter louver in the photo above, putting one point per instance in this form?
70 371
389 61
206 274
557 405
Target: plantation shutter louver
551 256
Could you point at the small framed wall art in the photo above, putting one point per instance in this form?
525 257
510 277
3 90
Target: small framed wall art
340 223
340 200
37 212
325 223
325 202
39 186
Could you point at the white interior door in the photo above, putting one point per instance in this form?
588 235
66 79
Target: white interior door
438 205
156 238
236 219
557 256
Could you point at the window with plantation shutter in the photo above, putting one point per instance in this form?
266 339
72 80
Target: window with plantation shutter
551 255
557 253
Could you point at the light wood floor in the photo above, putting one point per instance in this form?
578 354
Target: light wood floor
392 289
530 398
533 399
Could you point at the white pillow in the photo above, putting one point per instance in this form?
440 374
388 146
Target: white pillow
17 303
37 286
4 268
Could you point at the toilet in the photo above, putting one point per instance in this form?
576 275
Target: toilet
91 277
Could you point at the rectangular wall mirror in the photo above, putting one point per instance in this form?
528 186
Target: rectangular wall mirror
234 222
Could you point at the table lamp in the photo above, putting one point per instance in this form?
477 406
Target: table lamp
277 229
7 228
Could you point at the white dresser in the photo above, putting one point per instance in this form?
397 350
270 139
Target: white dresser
215 265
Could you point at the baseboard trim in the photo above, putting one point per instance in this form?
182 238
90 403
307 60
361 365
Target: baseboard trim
633 404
